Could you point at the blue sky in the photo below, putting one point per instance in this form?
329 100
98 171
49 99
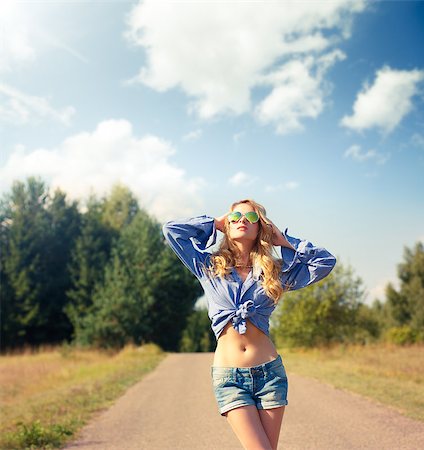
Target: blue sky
314 109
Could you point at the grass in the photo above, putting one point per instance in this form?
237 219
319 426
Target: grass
390 374
47 396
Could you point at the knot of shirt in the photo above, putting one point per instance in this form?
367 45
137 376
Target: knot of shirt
246 309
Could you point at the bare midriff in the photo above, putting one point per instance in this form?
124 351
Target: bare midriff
243 350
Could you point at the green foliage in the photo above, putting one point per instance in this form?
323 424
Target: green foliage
324 313
381 315
400 335
24 219
102 223
35 435
404 308
146 295
367 325
104 277
65 222
120 208
176 291
88 261
198 335
397 305
37 234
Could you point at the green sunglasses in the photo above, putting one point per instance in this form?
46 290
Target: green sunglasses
235 216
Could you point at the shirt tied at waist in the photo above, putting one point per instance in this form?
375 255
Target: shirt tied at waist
246 309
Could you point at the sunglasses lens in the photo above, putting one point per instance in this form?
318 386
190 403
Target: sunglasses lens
234 216
252 216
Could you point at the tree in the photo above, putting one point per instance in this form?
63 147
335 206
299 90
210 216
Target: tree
37 233
320 314
24 219
103 222
368 324
198 335
146 295
120 208
91 254
405 306
64 228
9 317
176 291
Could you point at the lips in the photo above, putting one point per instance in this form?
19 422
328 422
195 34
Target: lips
243 227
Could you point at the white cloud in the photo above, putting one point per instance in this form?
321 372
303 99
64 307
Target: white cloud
18 108
15 42
379 290
217 52
298 92
111 153
355 152
242 178
27 30
192 135
288 186
384 104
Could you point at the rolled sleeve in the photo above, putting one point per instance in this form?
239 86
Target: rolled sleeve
189 239
305 265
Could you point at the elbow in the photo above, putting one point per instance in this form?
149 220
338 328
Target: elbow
167 226
326 266
331 262
166 230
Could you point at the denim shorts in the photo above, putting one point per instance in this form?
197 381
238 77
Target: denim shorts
264 386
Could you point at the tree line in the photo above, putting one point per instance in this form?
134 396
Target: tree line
100 274
334 309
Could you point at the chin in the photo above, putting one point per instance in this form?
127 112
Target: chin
243 236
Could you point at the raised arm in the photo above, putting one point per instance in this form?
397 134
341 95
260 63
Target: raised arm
189 238
304 263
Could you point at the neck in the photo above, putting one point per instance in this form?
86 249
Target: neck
244 249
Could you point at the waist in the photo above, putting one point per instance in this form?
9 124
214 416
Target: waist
243 350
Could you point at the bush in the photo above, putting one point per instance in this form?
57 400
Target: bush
36 435
323 314
198 335
401 335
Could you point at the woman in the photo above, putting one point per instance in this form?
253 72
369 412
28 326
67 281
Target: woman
243 283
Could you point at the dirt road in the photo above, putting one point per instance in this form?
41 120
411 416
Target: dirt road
174 408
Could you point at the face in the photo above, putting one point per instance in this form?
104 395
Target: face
243 229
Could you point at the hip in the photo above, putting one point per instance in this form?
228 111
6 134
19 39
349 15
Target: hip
264 385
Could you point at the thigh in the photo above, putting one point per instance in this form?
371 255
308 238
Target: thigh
247 425
271 421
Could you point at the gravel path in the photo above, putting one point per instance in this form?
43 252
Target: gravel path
173 407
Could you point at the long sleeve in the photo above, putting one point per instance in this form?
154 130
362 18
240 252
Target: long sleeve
307 265
189 238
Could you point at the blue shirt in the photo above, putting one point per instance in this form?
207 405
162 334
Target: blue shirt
229 298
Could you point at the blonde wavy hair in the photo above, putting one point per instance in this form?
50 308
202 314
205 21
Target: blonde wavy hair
224 259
